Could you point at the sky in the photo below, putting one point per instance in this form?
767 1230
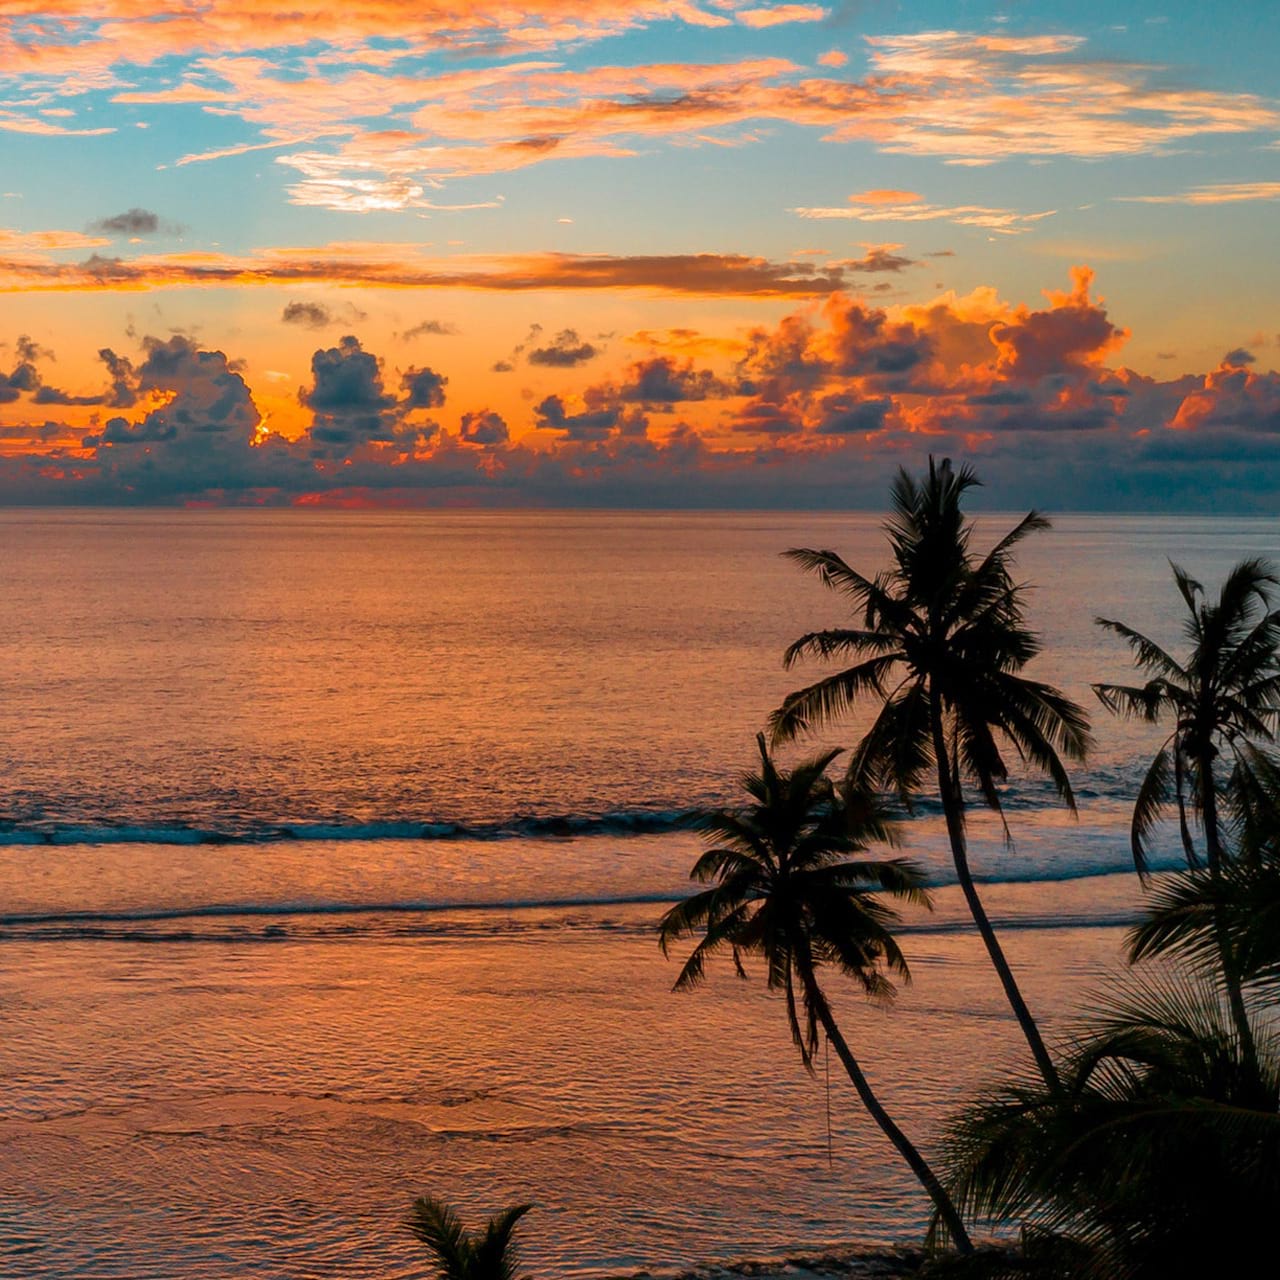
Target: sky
638 253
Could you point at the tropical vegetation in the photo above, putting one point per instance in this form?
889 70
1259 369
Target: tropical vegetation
1222 698
940 642
458 1254
791 885
1145 1143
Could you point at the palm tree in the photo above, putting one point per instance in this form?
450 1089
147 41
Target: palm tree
1225 695
1185 912
942 642
457 1253
1158 1155
786 887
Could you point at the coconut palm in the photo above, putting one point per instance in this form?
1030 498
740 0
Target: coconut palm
457 1253
1158 1155
789 885
942 641
1223 696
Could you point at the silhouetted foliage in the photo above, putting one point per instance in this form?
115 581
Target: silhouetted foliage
790 886
942 639
1158 1156
1223 696
459 1254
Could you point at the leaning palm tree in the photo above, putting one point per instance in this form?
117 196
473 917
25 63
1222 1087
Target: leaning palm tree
457 1253
1224 696
1158 1155
942 642
790 887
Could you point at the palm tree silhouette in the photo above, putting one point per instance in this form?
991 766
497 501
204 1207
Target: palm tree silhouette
1225 695
1158 1155
786 889
459 1254
943 641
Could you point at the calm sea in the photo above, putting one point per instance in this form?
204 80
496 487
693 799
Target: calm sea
330 851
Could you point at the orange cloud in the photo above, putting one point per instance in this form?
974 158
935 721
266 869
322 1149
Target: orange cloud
884 196
907 206
967 98
401 266
820 403
1214 193
779 14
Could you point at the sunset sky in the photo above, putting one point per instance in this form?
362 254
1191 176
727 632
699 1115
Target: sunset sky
638 252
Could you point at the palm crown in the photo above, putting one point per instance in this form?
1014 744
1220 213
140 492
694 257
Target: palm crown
1225 694
940 628
787 889
790 888
460 1254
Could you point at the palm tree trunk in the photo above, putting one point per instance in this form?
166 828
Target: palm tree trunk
904 1146
953 808
1230 970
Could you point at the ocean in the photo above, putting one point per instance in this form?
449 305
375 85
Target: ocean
331 849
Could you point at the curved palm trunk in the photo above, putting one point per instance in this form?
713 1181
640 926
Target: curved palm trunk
1230 969
953 808
904 1146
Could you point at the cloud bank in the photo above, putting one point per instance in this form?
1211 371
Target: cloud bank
815 410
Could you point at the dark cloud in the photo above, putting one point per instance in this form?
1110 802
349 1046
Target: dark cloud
24 376
880 258
429 328
661 380
349 403
133 222
567 351
199 440
587 425
423 388
314 315
484 426
310 315
846 415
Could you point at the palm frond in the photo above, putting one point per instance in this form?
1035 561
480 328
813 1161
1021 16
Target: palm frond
829 699
1147 654
496 1257
835 642
437 1226
1153 1087
1153 795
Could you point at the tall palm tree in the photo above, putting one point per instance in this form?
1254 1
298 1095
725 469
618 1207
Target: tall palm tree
1224 696
942 642
789 886
459 1254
